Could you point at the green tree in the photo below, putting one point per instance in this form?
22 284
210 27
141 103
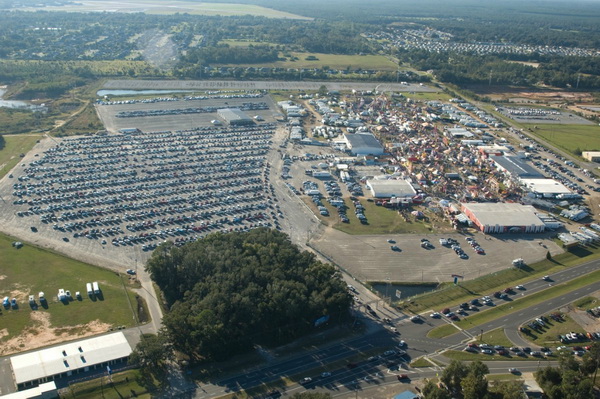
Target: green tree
452 376
323 91
153 351
474 386
509 389
432 391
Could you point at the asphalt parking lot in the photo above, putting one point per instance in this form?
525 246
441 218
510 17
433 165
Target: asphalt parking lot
112 199
542 116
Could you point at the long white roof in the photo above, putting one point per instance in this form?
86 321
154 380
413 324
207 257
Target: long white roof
69 356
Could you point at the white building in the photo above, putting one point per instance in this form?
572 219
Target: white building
399 188
503 217
48 364
546 188
363 144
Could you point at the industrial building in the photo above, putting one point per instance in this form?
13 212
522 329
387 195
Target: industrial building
592 156
503 217
64 360
545 188
516 167
399 188
235 116
363 144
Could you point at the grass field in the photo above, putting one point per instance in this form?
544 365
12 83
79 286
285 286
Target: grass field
569 137
128 384
454 294
333 61
29 270
516 305
586 303
15 145
495 337
422 362
174 6
380 220
550 334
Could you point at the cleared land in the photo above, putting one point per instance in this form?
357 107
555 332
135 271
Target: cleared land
569 137
30 270
15 145
158 7
334 61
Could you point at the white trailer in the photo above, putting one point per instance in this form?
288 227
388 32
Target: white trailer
88 287
96 288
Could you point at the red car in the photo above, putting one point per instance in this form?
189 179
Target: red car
401 377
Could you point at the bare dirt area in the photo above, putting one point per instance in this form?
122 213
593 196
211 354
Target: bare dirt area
43 334
588 322
526 95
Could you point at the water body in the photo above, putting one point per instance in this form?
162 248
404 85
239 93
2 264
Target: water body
406 291
102 93
18 104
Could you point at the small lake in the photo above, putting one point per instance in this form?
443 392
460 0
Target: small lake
406 291
18 104
102 93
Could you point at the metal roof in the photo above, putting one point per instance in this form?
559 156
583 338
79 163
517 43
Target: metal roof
504 214
516 167
69 356
362 140
391 188
545 186
233 115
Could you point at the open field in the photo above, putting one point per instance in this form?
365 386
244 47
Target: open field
338 61
586 303
30 270
157 7
568 137
15 145
453 295
515 305
332 61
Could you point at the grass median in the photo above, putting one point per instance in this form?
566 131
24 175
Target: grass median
514 306
452 295
470 356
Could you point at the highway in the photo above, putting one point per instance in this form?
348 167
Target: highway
379 338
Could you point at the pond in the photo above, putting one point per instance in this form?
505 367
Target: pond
19 104
405 290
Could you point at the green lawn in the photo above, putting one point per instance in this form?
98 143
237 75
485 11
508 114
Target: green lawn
587 302
495 337
454 294
422 362
128 384
380 220
516 305
15 145
29 270
550 335
470 356
569 137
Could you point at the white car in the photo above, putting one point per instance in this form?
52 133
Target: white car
435 315
513 370
520 287
402 343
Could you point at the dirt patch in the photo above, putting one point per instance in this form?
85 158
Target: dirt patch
3 332
43 334
2 277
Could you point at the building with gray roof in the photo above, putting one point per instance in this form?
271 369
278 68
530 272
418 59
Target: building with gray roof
363 144
235 116
516 167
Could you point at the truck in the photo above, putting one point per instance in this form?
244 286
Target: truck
518 262
88 287
96 288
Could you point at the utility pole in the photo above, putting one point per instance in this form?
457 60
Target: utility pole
490 82
578 77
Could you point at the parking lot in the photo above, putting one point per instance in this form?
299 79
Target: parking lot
542 116
112 199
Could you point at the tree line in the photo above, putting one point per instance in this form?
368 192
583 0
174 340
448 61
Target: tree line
228 292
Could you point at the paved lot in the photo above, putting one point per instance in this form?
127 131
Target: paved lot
259 85
370 258
558 117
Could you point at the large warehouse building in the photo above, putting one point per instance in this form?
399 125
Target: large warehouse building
64 360
503 217
235 116
546 188
391 188
516 167
363 144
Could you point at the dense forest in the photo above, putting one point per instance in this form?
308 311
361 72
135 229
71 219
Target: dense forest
228 292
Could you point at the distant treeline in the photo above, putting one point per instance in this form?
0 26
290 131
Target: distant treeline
581 72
